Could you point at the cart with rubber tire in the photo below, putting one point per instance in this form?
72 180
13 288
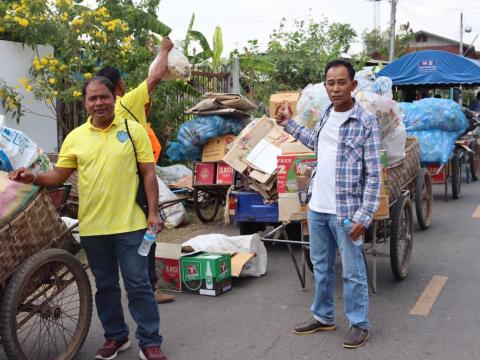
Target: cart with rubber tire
463 162
45 293
408 186
211 182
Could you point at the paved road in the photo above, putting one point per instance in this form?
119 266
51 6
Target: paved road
254 320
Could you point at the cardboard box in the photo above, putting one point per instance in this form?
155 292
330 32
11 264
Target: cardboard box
224 174
290 208
204 173
383 211
167 265
278 100
216 148
294 171
206 273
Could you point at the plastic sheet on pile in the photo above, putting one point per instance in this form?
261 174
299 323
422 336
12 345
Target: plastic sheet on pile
436 146
434 114
194 133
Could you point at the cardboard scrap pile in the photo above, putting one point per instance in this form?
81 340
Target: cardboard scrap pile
278 166
222 104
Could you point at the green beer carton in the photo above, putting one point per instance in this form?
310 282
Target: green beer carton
206 273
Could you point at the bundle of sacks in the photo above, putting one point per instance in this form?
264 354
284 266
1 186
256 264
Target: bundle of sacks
436 123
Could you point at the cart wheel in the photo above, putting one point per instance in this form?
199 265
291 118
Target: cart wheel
423 199
47 308
205 204
474 159
401 238
456 177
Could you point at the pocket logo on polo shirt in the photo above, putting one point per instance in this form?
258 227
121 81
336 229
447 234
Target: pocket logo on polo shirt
122 136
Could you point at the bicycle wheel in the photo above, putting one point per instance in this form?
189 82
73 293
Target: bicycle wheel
47 308
206 205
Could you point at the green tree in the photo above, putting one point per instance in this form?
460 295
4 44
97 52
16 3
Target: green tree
299 55
376 40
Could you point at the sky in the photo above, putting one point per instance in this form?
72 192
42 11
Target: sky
243 20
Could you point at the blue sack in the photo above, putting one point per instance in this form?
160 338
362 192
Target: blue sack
434 114
194 133
436 146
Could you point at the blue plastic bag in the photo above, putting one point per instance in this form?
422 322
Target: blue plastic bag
436 146
194 133
434 114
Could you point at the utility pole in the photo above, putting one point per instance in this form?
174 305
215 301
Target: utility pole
460 45
391 48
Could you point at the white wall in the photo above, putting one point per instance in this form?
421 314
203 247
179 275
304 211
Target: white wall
15 61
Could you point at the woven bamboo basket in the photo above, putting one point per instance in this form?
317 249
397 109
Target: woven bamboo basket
401 173
37 226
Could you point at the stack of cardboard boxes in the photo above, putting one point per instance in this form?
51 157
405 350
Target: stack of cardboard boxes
197 272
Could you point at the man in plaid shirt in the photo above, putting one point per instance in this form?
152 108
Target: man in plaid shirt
344 188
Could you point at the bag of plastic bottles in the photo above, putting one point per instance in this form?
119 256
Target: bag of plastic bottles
388 111
367 81
436 146
178 66
434 114
194 133
313 100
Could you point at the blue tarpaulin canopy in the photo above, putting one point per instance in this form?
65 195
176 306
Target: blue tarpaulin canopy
432 67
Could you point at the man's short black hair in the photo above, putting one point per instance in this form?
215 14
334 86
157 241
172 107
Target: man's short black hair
111 73
99 79
340 62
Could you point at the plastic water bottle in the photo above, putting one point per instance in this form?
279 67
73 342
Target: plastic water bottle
148 240
348 225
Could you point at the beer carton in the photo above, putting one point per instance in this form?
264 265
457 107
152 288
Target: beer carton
224 174
206 273
204 173
167 265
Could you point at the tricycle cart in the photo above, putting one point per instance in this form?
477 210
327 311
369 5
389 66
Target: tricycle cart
45 293
211 181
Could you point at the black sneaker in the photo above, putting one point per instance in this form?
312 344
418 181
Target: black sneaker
355 338
312 326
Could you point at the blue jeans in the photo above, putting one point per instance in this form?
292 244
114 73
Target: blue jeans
106 253
326 235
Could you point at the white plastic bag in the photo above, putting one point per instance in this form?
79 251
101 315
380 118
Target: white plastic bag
256 266
313 100
175 215
388 111
16 149
173 173
394 143
178 66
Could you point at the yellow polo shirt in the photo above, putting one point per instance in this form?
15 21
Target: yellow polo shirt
107 175
134 101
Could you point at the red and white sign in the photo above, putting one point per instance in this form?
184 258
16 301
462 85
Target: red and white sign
224 174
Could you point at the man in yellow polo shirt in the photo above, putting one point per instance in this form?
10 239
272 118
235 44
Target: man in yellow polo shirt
112 225
132 105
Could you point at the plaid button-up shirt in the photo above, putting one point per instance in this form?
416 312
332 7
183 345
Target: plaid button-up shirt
358 166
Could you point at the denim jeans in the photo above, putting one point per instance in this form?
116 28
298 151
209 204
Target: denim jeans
106 253
326 235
